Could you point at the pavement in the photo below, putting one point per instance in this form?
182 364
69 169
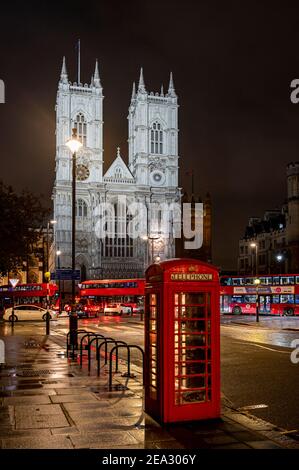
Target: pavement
47 402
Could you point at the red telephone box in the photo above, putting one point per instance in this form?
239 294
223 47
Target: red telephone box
182 341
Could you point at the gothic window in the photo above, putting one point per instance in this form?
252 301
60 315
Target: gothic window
118 173
156 138
81 208
119 244
81 126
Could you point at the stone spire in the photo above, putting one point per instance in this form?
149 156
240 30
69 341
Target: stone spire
162 91
171 89
141 86
133 92
63 75
96 78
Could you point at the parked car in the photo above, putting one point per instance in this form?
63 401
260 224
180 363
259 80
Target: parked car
117 309
28 312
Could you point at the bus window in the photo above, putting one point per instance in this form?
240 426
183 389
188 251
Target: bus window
297 279
237 299
276 280
297 299
287 299
287 280
225 281
266 281
275 299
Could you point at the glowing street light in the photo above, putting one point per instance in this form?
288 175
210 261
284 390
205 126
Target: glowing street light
255 245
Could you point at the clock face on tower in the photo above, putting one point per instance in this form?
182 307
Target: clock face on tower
82 172
157 178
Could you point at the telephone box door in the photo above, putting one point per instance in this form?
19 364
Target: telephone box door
193 388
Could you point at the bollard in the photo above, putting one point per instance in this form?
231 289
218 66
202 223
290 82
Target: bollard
13 316
73 325
48 316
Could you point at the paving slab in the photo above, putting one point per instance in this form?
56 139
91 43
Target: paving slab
23 400
40 416
83 397
103 440
49 442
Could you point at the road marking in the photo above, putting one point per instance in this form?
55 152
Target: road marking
269 349
252 407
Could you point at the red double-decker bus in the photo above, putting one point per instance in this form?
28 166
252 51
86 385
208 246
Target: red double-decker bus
33 294
276 294
96 296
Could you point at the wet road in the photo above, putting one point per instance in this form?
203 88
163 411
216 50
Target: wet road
255 360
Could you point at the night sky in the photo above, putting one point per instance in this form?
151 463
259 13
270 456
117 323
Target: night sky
232 63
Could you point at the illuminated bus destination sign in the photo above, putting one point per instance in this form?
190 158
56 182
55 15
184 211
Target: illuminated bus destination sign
191 277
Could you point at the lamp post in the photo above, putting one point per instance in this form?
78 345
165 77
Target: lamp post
74 145
52 222
279 259
257 283
58 253
255 245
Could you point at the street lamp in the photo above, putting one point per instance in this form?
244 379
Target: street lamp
52 222
74 145
257 283
279 259
58 253
255 245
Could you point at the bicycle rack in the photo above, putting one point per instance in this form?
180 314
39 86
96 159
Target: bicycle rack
128 373
87 346
79 331
106 342
96 338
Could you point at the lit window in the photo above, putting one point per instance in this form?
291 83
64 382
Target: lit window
156 138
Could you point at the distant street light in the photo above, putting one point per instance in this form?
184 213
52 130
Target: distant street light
52 222
58 253
280 259
257 283
255 245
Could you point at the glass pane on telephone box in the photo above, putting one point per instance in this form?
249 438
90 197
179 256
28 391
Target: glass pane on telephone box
192 336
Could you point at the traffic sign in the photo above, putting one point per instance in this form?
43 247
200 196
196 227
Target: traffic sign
14 282
66 274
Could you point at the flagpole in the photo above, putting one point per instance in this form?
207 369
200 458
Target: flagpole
79 62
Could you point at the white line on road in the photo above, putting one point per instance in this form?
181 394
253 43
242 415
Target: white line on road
269 349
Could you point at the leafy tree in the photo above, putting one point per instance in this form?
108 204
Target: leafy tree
22 218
